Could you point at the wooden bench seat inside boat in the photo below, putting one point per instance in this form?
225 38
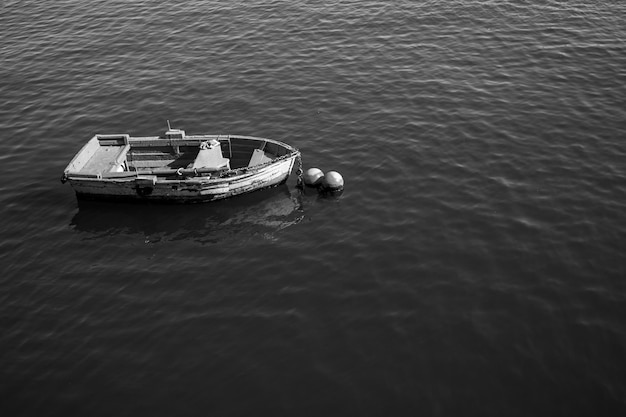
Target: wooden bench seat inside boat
108 158
259 157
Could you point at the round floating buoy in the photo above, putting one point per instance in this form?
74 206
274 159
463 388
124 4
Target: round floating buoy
332 181
313 177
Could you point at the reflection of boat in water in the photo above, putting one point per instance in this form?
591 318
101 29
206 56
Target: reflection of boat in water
263 212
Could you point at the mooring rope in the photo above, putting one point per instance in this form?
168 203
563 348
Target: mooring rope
299 171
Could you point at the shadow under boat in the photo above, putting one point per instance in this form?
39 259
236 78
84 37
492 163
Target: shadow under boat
261 212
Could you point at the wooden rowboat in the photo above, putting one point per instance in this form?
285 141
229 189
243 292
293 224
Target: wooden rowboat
178 168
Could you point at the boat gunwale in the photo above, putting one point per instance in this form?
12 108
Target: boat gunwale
190 174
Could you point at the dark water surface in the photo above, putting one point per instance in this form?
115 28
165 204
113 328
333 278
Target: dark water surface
474 265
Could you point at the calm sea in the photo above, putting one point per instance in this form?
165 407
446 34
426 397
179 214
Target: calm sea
474 265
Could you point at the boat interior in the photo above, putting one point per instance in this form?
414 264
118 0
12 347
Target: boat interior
122 153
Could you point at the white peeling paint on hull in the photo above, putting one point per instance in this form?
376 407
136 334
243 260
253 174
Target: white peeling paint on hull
195 189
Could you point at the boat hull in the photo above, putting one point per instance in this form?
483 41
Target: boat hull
189 190
120 167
